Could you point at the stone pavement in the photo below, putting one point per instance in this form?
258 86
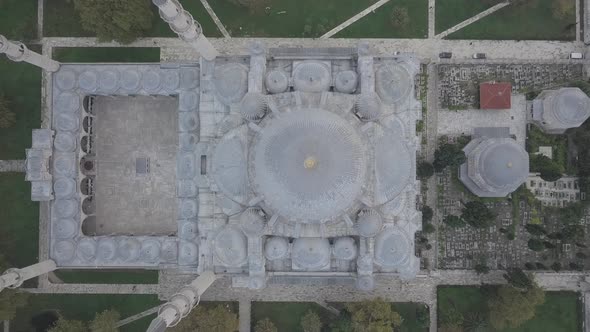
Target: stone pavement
472 19
353 19
12 166
431 18
216 19
138 316
245 314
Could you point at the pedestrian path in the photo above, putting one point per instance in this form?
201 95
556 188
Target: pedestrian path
245 312
353 19
12 166
472 19
216 19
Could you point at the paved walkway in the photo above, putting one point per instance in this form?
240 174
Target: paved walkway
95 289
431 18
6 325
578 20
12 166
40 7
216 19
138 316
353 19
245 315
472 19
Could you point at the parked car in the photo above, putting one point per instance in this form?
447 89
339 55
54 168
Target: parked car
576 55
445 55
479 55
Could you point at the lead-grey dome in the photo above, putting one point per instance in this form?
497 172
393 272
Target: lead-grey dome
86 249
309 165
150 251
231 82
230 165
368 106
128 249
64 228
571 107
394 165
276 248
346 81
369 222
392 248
252 221
393 83
106 250
253 106
345 248
276 81
231 247
64 250
311 253
311 76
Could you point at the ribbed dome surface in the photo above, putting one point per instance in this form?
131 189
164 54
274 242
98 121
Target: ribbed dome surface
150 251
504 163
369 106
346 81
230 165
276 248
231 247
393 83
231 82
311 76
571 106
253 106
276 81
345 248
392 248
309 165
86 249
393 166
311 253
369 222
252 221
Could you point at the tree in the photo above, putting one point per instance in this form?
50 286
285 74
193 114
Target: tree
535 229
424 170
450 317
265 325
64 325
549 169
10 299
428 228
563 9
536 245
475 321
482 269
510 307
540 266
477 214
576 266
119 20
454 221
581 255
427 214
518 279
105 321
448 155
399 17
202 319
423 316
529 266
556 266
548 245
7 117
373 316
311 322
572 233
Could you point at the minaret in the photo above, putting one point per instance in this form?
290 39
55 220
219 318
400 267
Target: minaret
14 278
186 27
181 303
17 51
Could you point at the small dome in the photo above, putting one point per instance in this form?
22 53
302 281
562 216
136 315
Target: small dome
65 79
188 253
369 107
188 101
504 163
187 208
276 81
130 80
129 249
64 187
108 80
151 81
188 230
276 248
150 251
64 142
106 250
188 121
67 122
86 249
169 251
345 248
64 164
311 76
252 221
88 81
253 106
392 248
186 166
64 228
231 82
393 83
68 102
231 247
571 106
65 208
63 251
311 253
189 78
369 223
346 81
170 79
187 141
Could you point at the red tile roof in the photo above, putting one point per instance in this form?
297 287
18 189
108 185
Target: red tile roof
494 96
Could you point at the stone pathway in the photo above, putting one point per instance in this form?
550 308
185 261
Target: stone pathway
578 20
40 7
138 316
245 315
95 289
472 19
216 19
6 325
431 18
12 166
353 19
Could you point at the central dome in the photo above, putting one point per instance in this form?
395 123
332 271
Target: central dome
309 165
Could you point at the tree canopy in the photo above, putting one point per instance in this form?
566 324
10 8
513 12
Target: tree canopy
510 307
64 325
311 322
549 169
477 214
454 221
7 116
424 170
105 321
536 245
518 279
219 318
427 214
10 299
373 316
119 20
448 155
265 325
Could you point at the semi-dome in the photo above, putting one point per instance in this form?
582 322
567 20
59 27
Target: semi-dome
345 248
571 106
231 247
252 221
369 222
311 253
393 83
311 76
253 106
276 81
229 165
346 81
309 165
392 248
394 165
368 106
276 248
231 82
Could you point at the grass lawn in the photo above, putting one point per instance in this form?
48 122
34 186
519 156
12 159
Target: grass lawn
21 84
452 12
559 313
108 276
536 138
19 220
84 307
18 19
107 54
286 18
533 20
378 24
62 20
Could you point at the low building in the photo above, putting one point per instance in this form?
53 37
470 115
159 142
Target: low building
557 193
494 96
555 111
